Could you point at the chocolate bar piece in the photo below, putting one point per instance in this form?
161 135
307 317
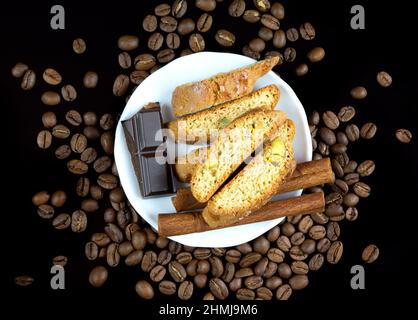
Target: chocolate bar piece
154 179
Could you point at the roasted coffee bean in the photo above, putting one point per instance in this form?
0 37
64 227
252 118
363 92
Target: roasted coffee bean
155 41
271 269
202 253
219 252
101 165
177 271
249 259
164 257
292 34
316 262
346 113
61 221
361 189
77 166
49 119
336 167
184 257
151 235
273 282
269 21
253 282
130 228
233 256
335 252
144 290
167 287
58 198
262 5
225 38
334 198
106 140
128 42
112 255
114 233
121 84
276 255
98 276
252 16
274 53
91 250
19 69
352 132
191 268
50 98
124 60
175 248
290 54
330 120
217 267
150 23
307 31
368 130
277 10
28 80
305 224
218 288
179 8
273 234
351 214
60 131
244 272
79 46
236 8
301 69
78 143
60 261
333 210
358 92
139 240
134 258
297 238
308 246
316 54
235 284
299 282
203 266
46 211
73 117
323 244
299 267
149 260
172 40
284 270
196 42
91 132
245 294
101 239
168 24
351 199
44 139
351 178
206 5
137 76
283 243
68 92
265 34
247 51
403 135
370 253
51 76
83 186
185 291
297 254
88 155
89 205
78 221
244 248
287 229
257 45
366 168
165 55
333 231
319 218
125 248
200 280
338 148
186 26
284 292
340 186
144 62
314 118
261 245
90 79
384 79
342 138
204 23
162 10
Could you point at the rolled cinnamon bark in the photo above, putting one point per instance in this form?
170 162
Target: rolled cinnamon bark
189 222
306 175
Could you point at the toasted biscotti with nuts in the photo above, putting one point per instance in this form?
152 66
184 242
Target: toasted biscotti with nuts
252 187
195 96
234 144
201 125
186 165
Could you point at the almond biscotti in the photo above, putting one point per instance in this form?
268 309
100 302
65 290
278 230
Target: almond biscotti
193 97
255 184
234 144
199 126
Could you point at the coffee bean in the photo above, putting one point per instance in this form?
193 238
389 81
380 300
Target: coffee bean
229 272
164 257
101 239
90 79
235 284
167 287
79 46
186 26
106 140
51 76
273 282
305 224
403 135
249 259
358 92
114 233
319 218
184 257
244 248
299 282
384 79
277 10
368 130
296 253
333 231
28 80
290 54
225 38
168 24
333 210
253 282
175 248
162 10
276 255
297 238
336 167
49 119
236 8
217 267
244 272
83 186
91 250
307 31
77 166
233 256
351 214
177 271
246 50
78 221
206 5
148 261
112 255
120 85
185 291
45 211
370 253
98 276
150 23
130 229
155 41
252 16
44 139
196 42
283 292
352 132
218 288
144 290
299 267
166 55
330 120
362 190
58 198
288 229
334 198
88 155
257 44
245 294
284 270
301 69
68 92
274 53
316 54
350 167
134 258
204 23
292 34
50 98
346 113
351 199
78 143
73 117
19 69
124 60
179 8
219 252
200 280
335 252
314 118
61 221
283 243
91 132
366 168
323 244
60 261
269 21
261 245
191 268
89 205
203 266
308 246
265 34
128 42
173 40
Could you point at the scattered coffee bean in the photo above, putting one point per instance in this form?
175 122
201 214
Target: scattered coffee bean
28 80
330 120
368 130
78 221
128 42
299 282
79 46
19 69
206 5
24 280
284 292
384 79
168 24
68 92
162 10
51 76
177 271
246 50
172 40
50 98
196 42
120 85
179 8
370 253
403 135
236 8
42 197
352 132
124 60
346 113
316 54
252 16
335 252
307 31
144 290
204 23
261 245
366 168
218 288
165 55
83 186
292 34
186 26
77 166
112 255
265 34
155 41
60 261
134 258
44 139
58 198
257 45
301 69
279 39
91 250
91 132
358 93
46 211
290 54
277 10
269 21
225 38
90 79
185 290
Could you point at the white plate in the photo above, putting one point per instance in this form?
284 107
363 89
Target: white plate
159 87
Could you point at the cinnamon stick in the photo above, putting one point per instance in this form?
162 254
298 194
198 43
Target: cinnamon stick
306 175
189 222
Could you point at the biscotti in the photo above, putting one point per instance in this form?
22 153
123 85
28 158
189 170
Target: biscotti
193 97
234 144
201 126
252 187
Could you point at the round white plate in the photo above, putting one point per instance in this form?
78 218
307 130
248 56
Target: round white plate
159 87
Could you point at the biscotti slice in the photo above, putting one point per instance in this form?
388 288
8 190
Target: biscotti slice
199 126
234 144
255 184
223 87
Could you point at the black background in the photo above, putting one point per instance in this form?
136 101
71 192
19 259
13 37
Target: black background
353 57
